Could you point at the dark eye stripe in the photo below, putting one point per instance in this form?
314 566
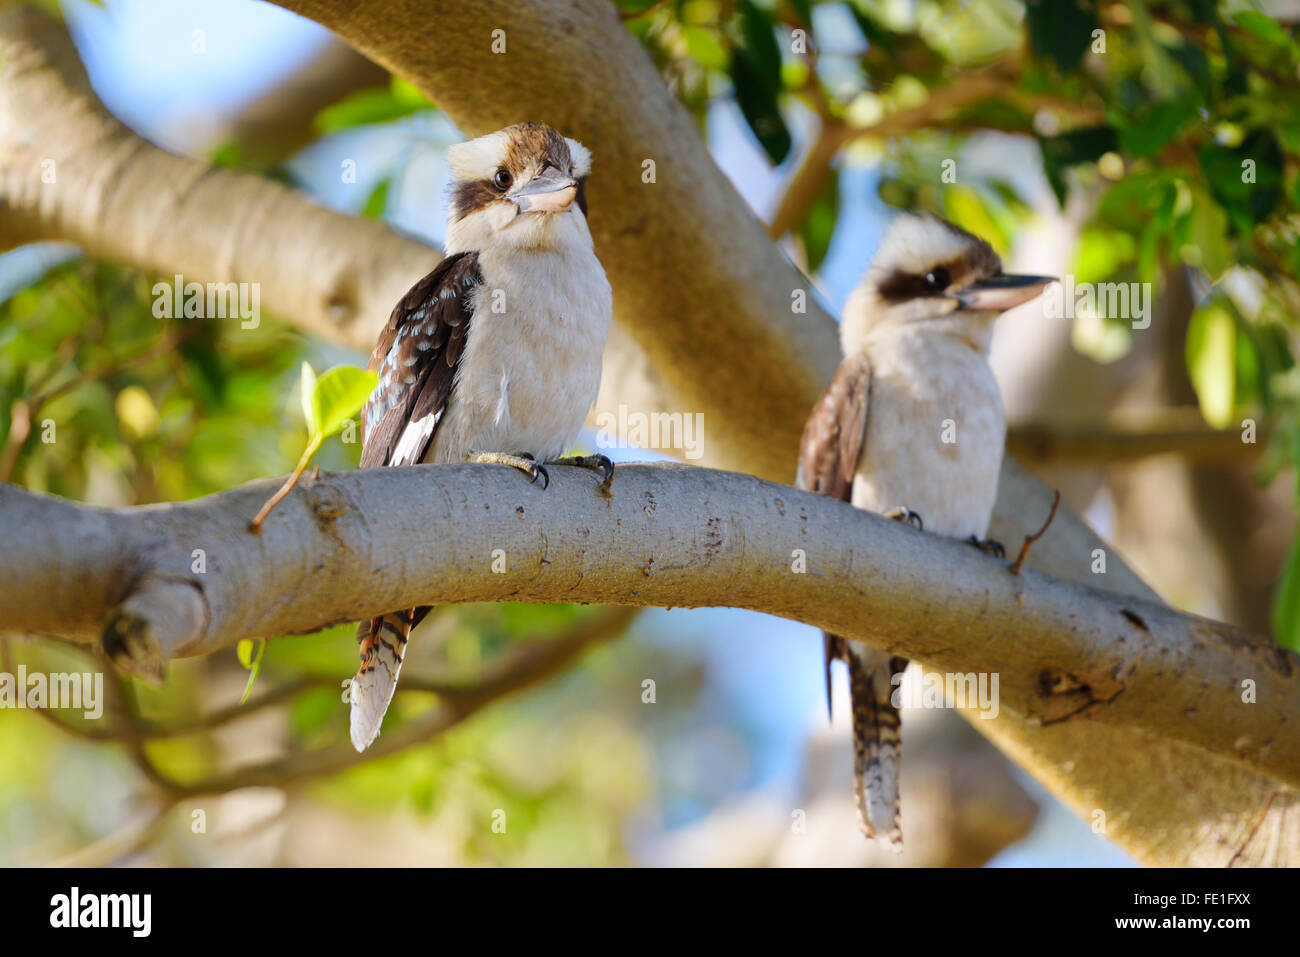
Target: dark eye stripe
469 197
899 286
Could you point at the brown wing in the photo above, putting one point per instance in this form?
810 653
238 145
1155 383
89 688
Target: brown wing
416 359
835 432
832 443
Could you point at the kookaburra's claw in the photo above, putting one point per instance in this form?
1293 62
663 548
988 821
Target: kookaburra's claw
988 546
525 463
597 463
904 514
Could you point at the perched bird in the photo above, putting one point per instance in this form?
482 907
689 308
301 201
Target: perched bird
911 427
495 355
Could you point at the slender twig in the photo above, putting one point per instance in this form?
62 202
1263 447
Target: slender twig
833 135
809 179
255 526
1030 539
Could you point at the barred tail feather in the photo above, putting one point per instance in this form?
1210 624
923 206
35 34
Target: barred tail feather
383 646
876 741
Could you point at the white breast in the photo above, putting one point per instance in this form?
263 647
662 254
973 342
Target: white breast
927 389
531 366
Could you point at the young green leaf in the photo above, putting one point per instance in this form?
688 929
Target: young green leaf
338 395
819 226
250 652
245 650
1212 361
1060 30
377 202
1286 602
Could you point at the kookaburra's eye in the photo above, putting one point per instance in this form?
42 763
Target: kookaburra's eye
503 179
937 279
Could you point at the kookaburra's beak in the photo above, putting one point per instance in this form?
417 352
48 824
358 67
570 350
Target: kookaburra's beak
550 191
1001 293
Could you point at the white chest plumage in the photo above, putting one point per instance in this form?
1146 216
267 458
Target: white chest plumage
531 367
935 432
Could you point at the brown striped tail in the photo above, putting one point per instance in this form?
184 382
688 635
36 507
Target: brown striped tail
876 741
382 643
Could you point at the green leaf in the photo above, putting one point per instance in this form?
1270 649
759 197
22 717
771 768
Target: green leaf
1155 125
964 206
250 652
377 201
1081 146
229 153
757 101
756 75
1227 170
1101 252
819 226
1212 360
1070 149
203 359
1286 601
1263 26
408 93
339 395
1060 30
1207 246
705 47
1196 65
758 39
308 400
367 107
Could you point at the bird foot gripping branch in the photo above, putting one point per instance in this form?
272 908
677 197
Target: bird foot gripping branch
597 463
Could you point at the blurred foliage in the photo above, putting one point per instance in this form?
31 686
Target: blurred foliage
126 408
368 107
1177 123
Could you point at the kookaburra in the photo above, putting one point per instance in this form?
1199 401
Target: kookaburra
495 355
912 427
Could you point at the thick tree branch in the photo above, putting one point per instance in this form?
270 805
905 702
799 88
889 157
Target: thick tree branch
1177 431
349 545
282 120
70 172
